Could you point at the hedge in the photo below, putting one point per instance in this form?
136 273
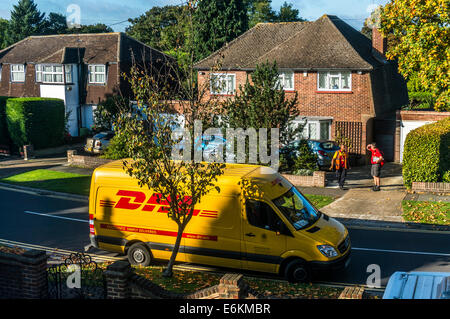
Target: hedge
426 156
36 121
4 135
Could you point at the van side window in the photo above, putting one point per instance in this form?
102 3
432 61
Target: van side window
260 214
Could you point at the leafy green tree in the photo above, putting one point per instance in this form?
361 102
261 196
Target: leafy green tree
26 20
218 22
260 11
288 14
92 28
55 24
422 30
3 29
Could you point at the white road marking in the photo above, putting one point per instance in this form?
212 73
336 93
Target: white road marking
401 251
55 216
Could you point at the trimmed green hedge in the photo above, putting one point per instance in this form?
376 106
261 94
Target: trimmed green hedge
4 135
37 121
426 156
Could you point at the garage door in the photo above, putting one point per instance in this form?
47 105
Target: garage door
405 128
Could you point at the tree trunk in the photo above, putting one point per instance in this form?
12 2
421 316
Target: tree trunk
168 272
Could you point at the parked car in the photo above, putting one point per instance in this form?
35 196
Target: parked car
322 148
418 285
98 143
209 147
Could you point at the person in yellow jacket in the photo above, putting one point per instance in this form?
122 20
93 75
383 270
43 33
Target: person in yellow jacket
340 163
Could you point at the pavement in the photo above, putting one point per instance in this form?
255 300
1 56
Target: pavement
357 204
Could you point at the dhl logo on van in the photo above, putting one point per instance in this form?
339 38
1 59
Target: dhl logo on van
133 200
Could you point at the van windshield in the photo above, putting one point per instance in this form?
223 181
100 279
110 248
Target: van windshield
297 209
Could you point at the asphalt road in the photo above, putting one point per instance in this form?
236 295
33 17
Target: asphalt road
62 222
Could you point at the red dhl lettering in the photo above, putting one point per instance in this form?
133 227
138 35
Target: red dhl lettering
132 200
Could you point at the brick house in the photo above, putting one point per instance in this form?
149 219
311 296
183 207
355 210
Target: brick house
344 83
81 69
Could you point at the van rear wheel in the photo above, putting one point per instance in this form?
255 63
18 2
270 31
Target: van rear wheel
298 271
139 255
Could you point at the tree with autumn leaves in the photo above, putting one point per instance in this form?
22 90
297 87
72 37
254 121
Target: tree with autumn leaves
422 50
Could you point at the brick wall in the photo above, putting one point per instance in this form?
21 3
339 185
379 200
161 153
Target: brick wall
85 161
23 275
430 187
317 180
123 283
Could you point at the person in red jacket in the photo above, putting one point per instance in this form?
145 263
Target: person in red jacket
377 162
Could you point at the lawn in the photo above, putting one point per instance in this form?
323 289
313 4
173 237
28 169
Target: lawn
319 201
52 181
426 212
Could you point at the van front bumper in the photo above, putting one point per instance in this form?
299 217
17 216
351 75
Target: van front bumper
333 265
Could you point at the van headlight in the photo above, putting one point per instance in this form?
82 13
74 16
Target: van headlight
327 251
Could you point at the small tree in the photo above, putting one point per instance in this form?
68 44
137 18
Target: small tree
262 103
150 141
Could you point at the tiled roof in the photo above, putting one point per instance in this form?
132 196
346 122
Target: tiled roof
325 43
73 48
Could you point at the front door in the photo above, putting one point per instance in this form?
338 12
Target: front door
263 245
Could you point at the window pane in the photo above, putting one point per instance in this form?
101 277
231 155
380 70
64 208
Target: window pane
18 76
345 80
58 68
58 78
324 130
48 78
289 80
334 83
322 80
99 78
100 68
312 130
91 78
48 68
38 76
260 214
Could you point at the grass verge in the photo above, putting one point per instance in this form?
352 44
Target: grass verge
426 212
319 201
52 181
190 281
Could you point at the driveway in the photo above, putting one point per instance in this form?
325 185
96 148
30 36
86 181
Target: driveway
361 202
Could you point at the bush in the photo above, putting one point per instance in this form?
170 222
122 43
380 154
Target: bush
306 159
117 148
36 121
426 155
4 135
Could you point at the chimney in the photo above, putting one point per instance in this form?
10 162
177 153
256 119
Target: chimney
379 43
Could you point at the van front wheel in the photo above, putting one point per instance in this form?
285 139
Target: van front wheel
298 271
138 255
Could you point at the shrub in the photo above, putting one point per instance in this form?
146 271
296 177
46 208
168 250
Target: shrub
4 135
306 159
117 148
36 121
426 155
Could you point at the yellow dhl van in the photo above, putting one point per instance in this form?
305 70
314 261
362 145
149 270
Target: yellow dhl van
273 228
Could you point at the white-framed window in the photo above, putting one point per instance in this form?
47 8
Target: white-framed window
53 73
334 81
97 73
17 73
222 83
315 129
286 80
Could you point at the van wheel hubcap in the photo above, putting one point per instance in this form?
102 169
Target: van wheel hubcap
138 256
300 274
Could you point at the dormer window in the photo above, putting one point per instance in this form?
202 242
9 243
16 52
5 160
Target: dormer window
53 73
97 74
17 73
